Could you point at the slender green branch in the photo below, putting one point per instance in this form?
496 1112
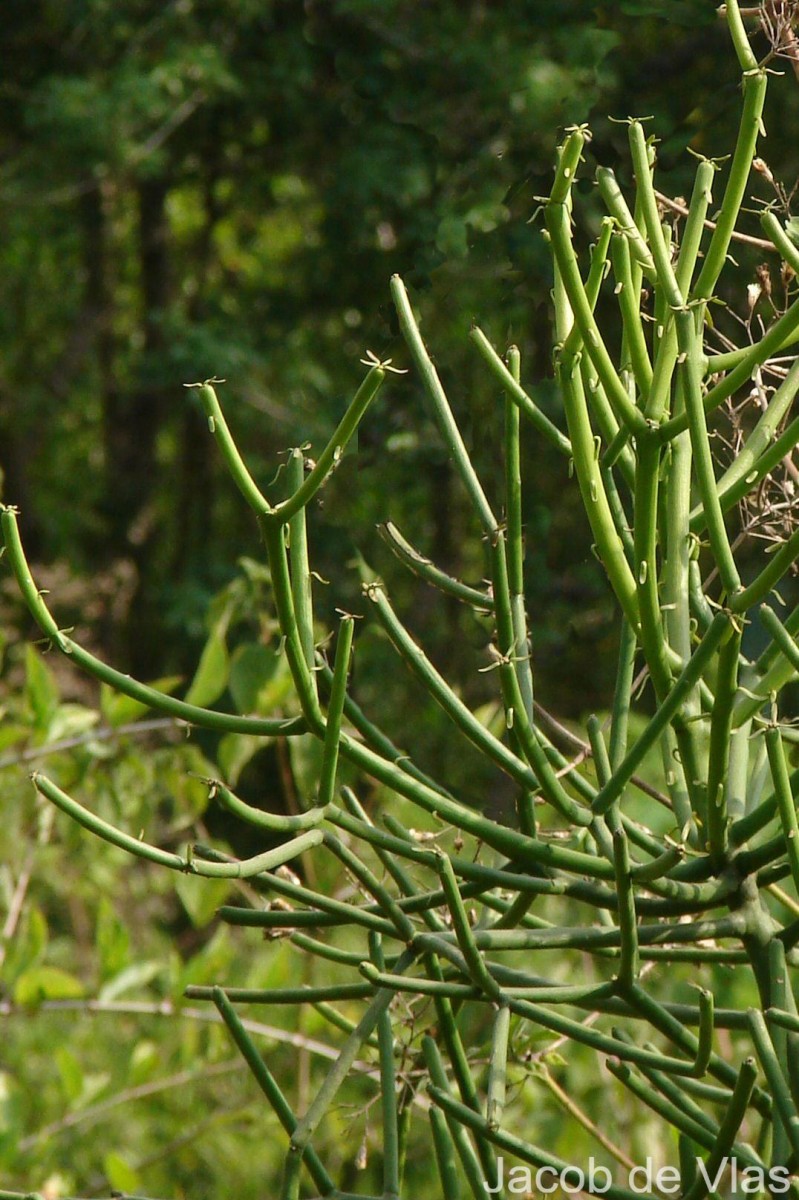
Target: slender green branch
427 570
706 480
338 692
667 710
785 801
274 822
189 865
266 1082
778 565
754 86
498 1067
628 924
719 749
522 402
617 207
218 426
192 714
441 407
330 456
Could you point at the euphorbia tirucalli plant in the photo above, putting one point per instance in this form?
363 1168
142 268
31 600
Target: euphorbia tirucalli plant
442 936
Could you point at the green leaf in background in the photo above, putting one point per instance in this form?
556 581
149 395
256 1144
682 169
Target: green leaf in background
201 897
120 1174
235 751
132 979
71 720
41 692
207 966
145 1060
305 754
46 983
792 229
211 677
260 680
11 734
28 945
123 710
112 941
251 668
70 1073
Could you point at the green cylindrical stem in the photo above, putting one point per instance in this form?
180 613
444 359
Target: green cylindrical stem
335 709
441 408
274 822
427 570
609 545
497 1067
192 714
754 86
268 1086
785 801
719 751
617 206
301 581
667 710
521 401
233 460
728 1130
188 865
332 452
480 1180
778 565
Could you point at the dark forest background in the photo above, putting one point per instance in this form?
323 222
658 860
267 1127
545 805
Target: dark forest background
202 188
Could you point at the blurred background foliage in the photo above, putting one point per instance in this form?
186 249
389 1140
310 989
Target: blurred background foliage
224 187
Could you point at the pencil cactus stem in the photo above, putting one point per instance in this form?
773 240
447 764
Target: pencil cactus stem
441 407
516 394
666 711
427 570
218 427
628 930
331 455
717 823
301 581
647 486
740 41
785 802
631 235
274 538
754 88
706 480
192 714
268 1085
190 864
694 226
728 1130
762 451
515 542
498 1067
335 711
629 297
587 469
593 344
460 923
778 565
667 280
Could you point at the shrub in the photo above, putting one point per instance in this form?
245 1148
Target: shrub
645 856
